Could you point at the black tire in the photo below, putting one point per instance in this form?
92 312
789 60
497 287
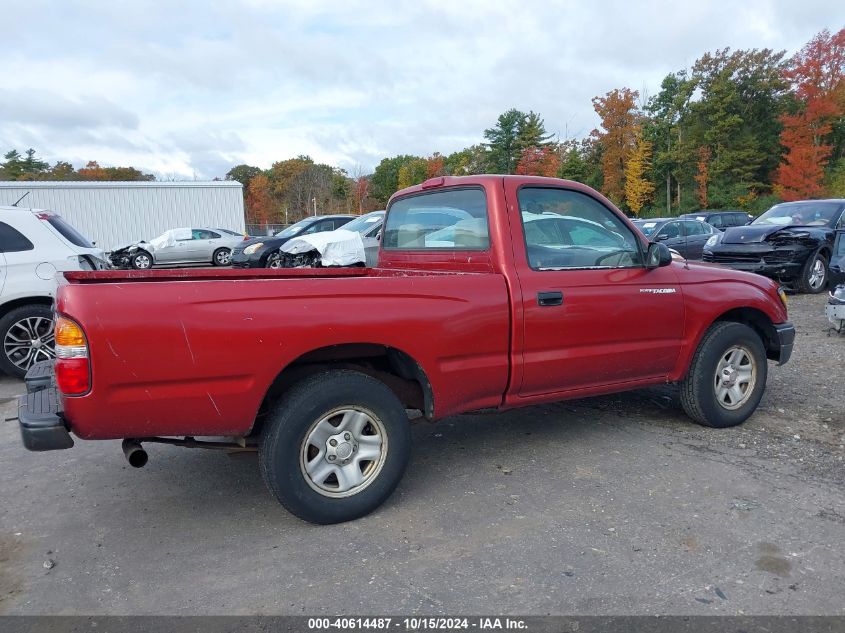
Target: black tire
804 284
283 445
139 262
218 254
33 312
698 390
273 260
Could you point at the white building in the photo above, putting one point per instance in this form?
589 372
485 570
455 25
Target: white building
116 213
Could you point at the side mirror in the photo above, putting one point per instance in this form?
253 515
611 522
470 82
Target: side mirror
662 237
657 255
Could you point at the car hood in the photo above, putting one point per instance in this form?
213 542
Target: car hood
751 233
270 241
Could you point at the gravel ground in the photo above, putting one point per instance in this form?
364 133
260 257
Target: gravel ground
614 505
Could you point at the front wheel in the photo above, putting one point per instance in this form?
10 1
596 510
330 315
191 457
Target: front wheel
222 257
336 447
142 260
727 376
813 279
274 260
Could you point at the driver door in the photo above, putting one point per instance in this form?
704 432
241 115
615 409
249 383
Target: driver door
592 314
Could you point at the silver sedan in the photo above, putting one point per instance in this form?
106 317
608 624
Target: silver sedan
186 246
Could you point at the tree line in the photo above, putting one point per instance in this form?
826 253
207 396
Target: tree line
738 129
29 167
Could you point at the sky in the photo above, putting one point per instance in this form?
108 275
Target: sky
186 90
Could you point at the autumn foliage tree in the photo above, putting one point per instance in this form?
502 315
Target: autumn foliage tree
702 176
538 161
362 190
619 120
93 171
817 74
638 185
259 201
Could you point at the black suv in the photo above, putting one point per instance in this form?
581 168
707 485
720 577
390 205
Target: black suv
720 219
792 242
263 252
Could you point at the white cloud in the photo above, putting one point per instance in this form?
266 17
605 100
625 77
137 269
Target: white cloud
193 88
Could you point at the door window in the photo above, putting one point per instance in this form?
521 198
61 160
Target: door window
717 221
670 231
202 234
692 228
12 240
569 229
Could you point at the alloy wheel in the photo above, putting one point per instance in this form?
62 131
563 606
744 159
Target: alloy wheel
29 341
736 375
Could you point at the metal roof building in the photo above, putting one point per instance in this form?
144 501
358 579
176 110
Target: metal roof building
116 213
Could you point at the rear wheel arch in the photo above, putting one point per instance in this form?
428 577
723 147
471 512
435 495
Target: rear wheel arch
25 301
397 369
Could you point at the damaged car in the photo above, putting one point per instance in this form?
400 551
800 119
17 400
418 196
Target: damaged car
355 244
179 246
792 243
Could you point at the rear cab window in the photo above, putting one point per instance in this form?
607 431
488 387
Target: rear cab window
452 219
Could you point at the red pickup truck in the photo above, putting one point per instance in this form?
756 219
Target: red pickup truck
490 292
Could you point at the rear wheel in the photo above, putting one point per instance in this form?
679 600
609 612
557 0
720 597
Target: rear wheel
28 337
142 260
222 257
813 279
727 376
335 447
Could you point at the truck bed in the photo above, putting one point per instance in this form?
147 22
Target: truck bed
194 352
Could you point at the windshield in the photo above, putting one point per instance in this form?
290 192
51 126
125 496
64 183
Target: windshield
801 214
647 227
365 223
293 229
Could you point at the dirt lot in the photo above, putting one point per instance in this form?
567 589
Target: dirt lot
613 505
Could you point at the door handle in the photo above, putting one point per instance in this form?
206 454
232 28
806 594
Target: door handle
554 298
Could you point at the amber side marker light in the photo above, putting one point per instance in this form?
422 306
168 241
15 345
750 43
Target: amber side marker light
73 371
784 300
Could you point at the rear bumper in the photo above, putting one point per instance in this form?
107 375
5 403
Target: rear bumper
39 412
785 339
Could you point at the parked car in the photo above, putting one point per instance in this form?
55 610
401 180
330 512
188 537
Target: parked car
791 242
721 219
354 244
263 252
492 314
179 246
34 245
686 236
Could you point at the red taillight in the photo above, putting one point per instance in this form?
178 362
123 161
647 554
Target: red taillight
73 371
73 376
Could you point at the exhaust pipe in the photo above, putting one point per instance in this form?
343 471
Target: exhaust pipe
135 454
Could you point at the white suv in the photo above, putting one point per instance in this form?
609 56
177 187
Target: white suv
34 246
